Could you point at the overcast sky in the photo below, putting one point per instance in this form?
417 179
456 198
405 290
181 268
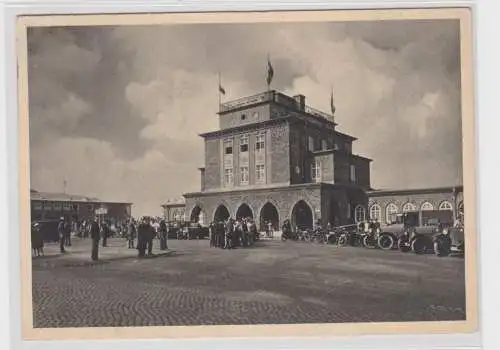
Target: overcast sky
116 111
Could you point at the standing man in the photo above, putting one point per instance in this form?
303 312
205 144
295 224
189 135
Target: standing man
229 234
163 235
105 233
67 233
95 236
141 237
131 233
151 233
61 232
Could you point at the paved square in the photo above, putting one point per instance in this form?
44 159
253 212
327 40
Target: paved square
276 282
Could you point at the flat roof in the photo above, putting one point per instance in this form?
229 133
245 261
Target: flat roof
66 197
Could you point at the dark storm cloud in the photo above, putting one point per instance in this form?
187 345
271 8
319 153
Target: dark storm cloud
118 109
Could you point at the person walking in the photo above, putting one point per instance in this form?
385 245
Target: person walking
229 232
67 233
151 233
94 231
61 232
163 235
131 233
105 233
36 239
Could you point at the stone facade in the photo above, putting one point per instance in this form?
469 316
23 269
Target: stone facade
275 158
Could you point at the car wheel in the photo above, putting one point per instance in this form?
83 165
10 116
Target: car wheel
342 241
386 242
369 242
404 245
418 246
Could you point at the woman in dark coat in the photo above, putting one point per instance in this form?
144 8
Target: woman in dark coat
36 239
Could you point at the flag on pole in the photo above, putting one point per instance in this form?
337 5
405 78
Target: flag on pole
270 72
221 89
332 105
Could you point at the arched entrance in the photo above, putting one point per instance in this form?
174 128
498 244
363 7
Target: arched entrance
244 211
197 215
269 213
302 216
221 214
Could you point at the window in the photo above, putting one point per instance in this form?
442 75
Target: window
375 212
260 173
324 145
409 207
243 117
317 144
228 146
427 207
244 175
353 173
316 171
37 206
359 213
228 177
311 143
390 211
244 144
57 206
260 142
67 206
445 206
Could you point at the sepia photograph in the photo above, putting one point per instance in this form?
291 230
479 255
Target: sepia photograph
258 170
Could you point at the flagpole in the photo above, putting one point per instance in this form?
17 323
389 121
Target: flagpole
268 80
218 89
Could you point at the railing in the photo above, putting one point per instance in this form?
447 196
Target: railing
247 101
318 113
269 96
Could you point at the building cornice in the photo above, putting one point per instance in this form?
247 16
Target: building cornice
245 127
390 192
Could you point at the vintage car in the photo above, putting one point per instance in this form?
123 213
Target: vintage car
421 239
193 230
450 240
405 233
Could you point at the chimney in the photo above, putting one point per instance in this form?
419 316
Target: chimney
301 101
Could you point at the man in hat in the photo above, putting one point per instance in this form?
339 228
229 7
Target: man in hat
163 235
95 236
62 236
142 232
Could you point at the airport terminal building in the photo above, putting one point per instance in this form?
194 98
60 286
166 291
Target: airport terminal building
275 158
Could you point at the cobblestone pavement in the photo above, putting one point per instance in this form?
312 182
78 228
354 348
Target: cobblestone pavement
276 282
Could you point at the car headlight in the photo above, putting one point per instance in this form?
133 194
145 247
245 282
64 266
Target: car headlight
446 231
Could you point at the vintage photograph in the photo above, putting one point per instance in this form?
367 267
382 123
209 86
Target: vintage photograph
296 171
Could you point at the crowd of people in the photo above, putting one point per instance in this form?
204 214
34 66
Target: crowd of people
140 234
233 233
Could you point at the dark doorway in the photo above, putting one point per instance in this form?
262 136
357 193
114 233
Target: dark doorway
221 214
269 213
244 211
334 218
195 214
302 217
